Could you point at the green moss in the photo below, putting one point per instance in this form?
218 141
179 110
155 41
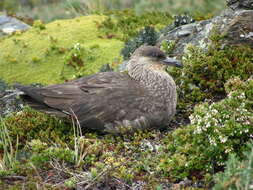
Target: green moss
39 24
30 124
38 55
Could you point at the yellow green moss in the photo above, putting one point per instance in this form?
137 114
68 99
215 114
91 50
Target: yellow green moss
39 54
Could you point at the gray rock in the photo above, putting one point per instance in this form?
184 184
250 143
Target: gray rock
9 101
8 25
237 26
240 4
240 30
9 98
193 33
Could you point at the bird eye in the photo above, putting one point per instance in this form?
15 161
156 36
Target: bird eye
161 56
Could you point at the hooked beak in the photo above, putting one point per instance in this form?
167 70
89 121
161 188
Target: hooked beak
172 62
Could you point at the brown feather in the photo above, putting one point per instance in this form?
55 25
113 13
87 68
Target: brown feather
112 101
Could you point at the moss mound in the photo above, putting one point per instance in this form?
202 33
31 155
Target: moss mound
43 53
30 124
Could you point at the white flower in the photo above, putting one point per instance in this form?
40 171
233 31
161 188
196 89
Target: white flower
223 139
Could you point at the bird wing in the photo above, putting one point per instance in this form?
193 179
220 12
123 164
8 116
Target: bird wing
96 99
108 97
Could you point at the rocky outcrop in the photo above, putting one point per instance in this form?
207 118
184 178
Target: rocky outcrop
240 4
8 25
235 26
240 30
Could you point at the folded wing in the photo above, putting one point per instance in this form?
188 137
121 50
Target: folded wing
96 100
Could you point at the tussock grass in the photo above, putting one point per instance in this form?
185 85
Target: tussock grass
9 156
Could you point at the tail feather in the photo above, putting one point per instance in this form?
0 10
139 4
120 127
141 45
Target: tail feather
32 97
31 91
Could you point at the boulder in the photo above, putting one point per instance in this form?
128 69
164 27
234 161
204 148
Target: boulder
236 26
8 25
240 4
240 30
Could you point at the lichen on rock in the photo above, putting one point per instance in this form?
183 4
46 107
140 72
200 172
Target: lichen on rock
235 26
240 4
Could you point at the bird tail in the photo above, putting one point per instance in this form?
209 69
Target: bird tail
29 91
32 97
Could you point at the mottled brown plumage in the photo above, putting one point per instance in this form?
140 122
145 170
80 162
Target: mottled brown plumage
111 101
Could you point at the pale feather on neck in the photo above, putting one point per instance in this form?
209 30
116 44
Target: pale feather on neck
154 78
143 69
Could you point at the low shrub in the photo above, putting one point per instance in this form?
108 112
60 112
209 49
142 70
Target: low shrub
205 72
126 24
77 58
216 130
178 20
42 153
238 174
147 36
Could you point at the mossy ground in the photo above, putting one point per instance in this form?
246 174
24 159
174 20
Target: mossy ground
51 154
38 55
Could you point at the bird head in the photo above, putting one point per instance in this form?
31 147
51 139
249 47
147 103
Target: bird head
154 57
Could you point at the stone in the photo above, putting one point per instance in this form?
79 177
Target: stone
9 101
9 98
8 25
240 4
236 26
240 30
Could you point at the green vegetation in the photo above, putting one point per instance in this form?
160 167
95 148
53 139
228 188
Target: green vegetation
134 29
238 174
126 24
147 36
44 54
168 46
205 72
29 124
62 9
195 151
9 156
215 93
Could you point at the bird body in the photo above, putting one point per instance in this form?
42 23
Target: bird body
113 102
